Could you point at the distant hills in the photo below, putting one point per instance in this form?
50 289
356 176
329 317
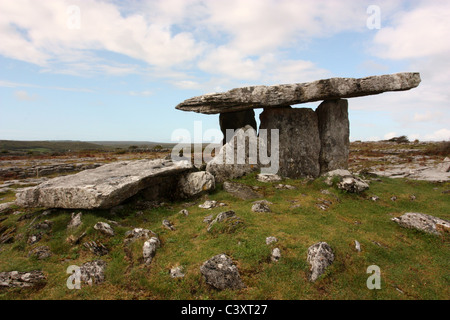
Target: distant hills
13 146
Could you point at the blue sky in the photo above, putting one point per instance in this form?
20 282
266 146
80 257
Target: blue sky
115 70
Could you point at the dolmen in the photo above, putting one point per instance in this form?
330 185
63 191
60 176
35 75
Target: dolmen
311 142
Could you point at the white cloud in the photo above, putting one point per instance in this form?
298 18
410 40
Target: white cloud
440 135
22 95
390 135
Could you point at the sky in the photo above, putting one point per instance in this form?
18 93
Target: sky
115 70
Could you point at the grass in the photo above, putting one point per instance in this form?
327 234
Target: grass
413 265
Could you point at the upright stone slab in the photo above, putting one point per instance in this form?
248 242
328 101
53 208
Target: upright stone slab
334 131
298 137
236 120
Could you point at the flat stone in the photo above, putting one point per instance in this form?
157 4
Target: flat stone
16 279
103 187
299 142
289 94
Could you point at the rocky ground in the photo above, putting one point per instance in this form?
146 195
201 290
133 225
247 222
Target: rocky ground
258 237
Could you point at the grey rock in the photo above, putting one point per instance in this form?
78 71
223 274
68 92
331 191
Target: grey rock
353 185
44 225
96 248
93 272
320 256
104 228
268 177
299 159
288 94
444 166
149 249
6 206
236 120
176 272
104 187
276 255
196 183
75 222
236 159
208 204
221 273
284 187
240 190
334 132
16 279
73 240
168 225
423 222
208 219
32 239
357 246
40 253
138 233
261 206
222 216
270 240
184 212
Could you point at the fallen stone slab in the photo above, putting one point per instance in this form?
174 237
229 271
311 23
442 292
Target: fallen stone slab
423 222
103 187
289 94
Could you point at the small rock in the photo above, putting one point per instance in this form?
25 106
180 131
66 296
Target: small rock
357 246
374 198
268 178
276 255
394 198
208 219
75 240
104 228
412 197
320 256
176 272
353 185
284 187
240 191
209 204
44 225
149 249
16 279
41 252
137 233
93 272
220 273
34 238
423 222
168 225
97 249
184 212
270 240
221 217
75 222
261 206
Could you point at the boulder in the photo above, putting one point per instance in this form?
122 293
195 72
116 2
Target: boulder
299 142
246 98
221 273
195 183
16 279
423 222
240 190
320 256
104 187
236 158
236 120
334 132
